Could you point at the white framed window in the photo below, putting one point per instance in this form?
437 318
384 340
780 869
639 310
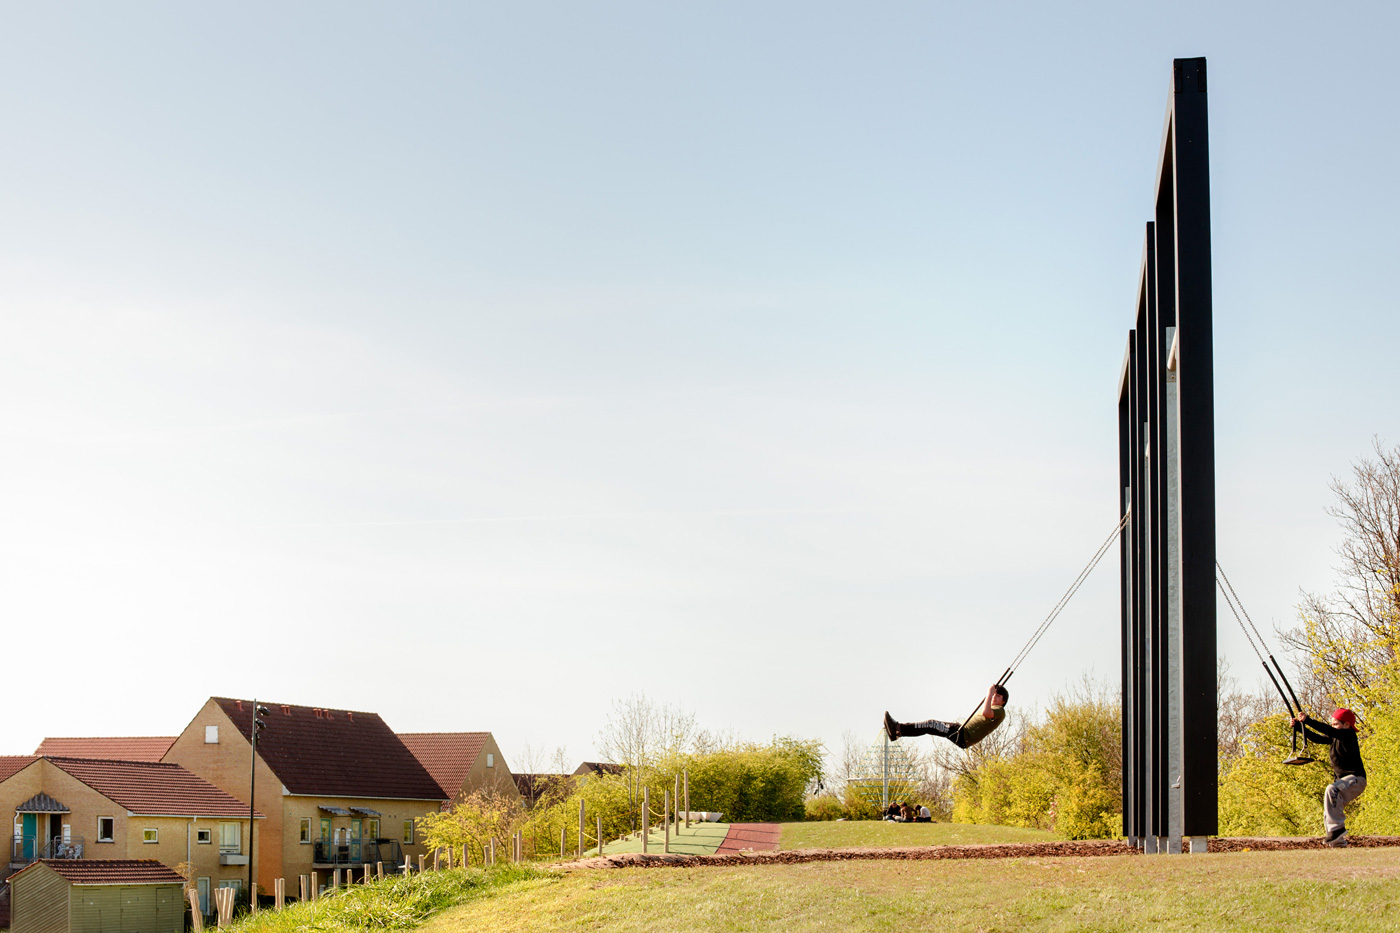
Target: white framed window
106 828
204 836
211 735
490 760
306 830
408 831
149 836
373 828
230 838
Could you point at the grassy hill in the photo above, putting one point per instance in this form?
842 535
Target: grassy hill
1253 891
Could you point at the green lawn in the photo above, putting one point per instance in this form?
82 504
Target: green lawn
699 839
848 834
1252 891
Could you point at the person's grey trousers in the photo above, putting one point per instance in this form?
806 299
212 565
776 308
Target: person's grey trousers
1341 792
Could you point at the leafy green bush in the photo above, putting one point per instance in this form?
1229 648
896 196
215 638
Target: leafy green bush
1065 773
747 782
824 807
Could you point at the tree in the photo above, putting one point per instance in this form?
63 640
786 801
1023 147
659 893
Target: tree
1352 635
638 733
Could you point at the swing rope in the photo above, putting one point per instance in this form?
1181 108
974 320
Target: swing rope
1232 599
1055 612
1295 709
1064 600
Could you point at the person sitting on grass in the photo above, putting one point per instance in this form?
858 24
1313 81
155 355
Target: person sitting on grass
978 727
891 812
1344 750
906 813
924 816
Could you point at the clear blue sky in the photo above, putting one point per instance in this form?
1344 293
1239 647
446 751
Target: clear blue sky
479 363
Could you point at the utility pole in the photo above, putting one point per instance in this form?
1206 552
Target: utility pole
257 726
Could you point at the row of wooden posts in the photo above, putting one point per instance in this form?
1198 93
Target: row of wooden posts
310 887
310 883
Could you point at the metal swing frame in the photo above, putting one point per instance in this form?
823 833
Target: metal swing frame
1166 430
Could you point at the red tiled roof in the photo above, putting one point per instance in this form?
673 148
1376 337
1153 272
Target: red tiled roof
334 753
109 871
151 789
448 756
112 748
13 764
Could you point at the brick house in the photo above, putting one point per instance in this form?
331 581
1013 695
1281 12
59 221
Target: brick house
338 787
81 809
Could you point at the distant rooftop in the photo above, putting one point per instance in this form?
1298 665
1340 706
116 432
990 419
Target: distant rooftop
113 748
448 756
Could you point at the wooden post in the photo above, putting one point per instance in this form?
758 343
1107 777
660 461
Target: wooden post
304 888
686 772
279 890
581 825
315 886
421 860
349 877
646 817
666 820
563 833
493 850
466 861
600 835
335 880
378 869
196 916
365 878
676 805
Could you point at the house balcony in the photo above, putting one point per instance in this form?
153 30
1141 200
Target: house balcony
26 849
353 852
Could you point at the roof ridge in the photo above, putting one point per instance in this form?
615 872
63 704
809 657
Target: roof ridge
115 761
270 703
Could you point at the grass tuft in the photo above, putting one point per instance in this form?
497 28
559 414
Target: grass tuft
396 903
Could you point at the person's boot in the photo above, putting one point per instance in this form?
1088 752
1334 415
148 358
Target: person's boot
891 727
1336 838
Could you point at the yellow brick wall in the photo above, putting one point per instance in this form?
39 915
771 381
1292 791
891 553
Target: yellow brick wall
497 778
225 765
297 856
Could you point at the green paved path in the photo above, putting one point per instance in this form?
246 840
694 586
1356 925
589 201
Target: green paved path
699 839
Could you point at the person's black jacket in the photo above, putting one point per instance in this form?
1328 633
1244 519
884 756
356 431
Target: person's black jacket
1342 746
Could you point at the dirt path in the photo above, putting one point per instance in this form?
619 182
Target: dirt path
754 837
1006 850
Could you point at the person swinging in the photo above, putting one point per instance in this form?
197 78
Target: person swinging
1348 772
981 725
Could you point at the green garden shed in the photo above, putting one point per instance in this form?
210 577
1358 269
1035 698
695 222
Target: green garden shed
97 896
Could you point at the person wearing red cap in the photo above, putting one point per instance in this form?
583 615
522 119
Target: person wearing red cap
963 736
1348 772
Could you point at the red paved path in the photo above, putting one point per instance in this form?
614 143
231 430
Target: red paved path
756 837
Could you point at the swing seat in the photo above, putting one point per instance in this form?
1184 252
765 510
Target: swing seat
1299 760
